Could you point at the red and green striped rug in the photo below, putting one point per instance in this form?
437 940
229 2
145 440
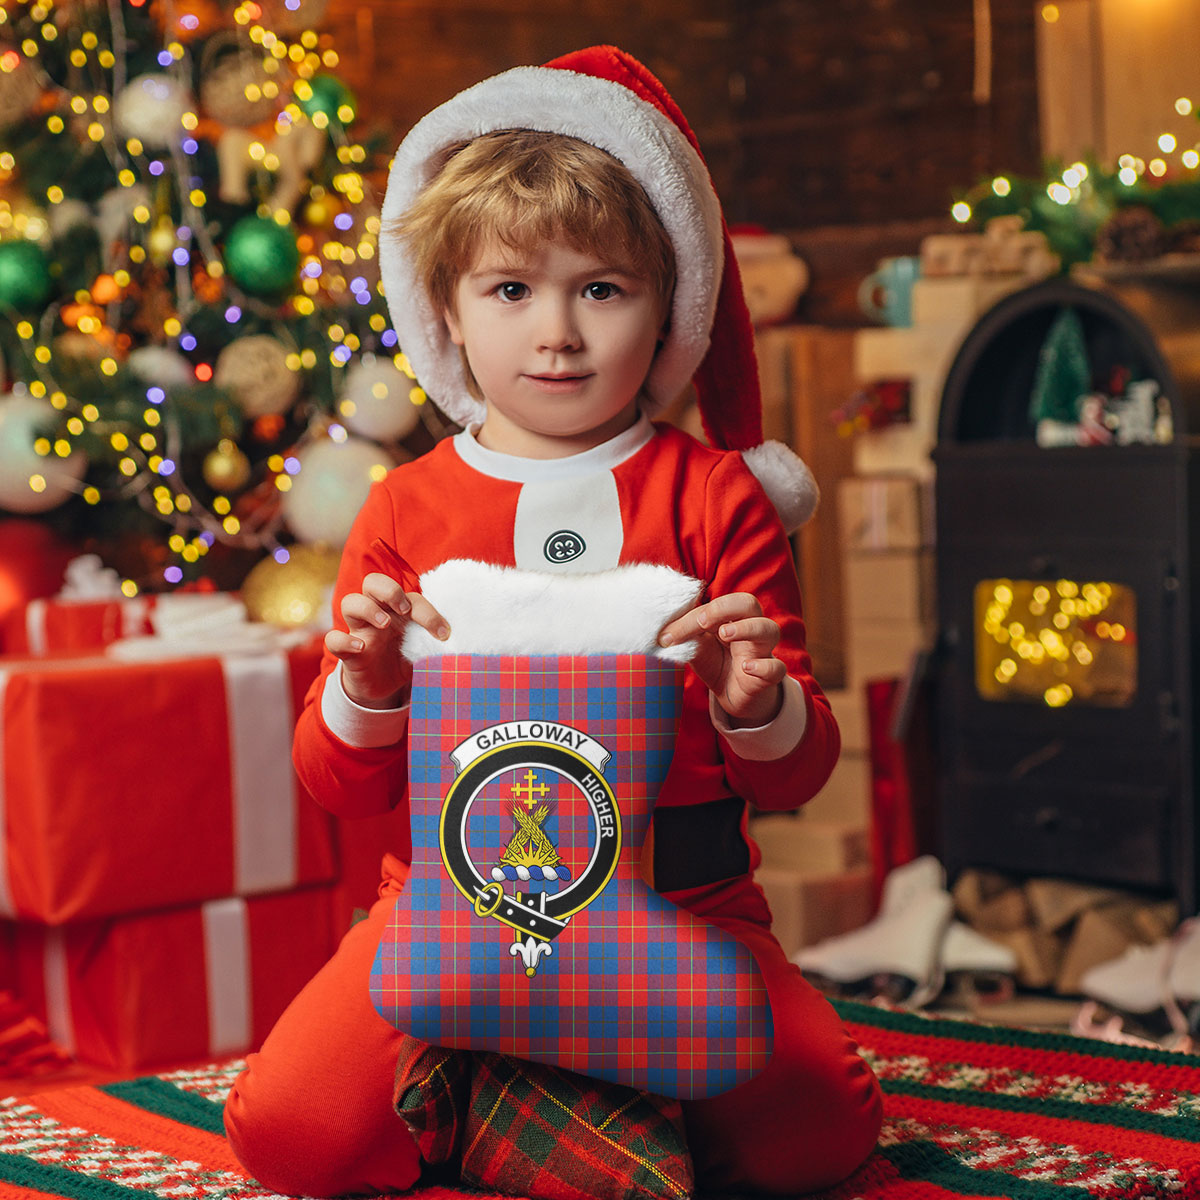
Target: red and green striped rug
972 1110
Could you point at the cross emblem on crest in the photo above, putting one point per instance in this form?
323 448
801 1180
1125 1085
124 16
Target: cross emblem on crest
531 790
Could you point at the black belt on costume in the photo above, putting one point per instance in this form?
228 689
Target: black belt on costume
698 844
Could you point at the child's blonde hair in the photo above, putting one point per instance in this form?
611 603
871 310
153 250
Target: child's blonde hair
521 188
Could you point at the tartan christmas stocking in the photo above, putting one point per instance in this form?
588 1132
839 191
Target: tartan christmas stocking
525 926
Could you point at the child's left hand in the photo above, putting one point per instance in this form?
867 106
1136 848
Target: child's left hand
734 655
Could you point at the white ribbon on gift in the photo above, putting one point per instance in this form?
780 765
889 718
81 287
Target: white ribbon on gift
56 980
227 975
35 626
227 978
258 697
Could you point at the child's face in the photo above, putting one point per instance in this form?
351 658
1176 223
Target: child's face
559 342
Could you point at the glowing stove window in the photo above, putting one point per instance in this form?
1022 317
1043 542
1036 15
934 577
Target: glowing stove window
1056 642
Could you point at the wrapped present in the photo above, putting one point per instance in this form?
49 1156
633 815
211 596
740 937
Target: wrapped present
177 986
52 624
88 611
129 786
884 512
888 586
91 611
139 626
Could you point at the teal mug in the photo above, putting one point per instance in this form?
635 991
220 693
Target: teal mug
886 294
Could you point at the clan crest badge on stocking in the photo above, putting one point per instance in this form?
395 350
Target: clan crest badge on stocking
525 926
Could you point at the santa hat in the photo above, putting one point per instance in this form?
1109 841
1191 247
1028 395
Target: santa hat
607 98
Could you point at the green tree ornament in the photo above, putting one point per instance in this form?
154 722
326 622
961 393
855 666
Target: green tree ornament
24 275
328 95
262 256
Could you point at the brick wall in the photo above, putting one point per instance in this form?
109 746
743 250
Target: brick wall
810 113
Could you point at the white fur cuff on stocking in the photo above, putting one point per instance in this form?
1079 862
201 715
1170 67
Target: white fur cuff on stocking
503 610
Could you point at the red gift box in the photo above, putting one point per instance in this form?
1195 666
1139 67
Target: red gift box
131 786
52 625
173 987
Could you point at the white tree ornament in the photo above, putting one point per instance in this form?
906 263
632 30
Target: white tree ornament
151 108
330 488
67 215
375 400
31 482
162 366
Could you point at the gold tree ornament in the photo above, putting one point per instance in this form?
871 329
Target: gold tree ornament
20 88
161 242
236 88
255 370
225 467
319 212
295 593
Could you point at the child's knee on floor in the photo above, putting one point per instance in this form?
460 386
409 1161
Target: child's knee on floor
295 1152
806 1123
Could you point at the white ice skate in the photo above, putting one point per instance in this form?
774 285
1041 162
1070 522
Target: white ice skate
980 966
1155 987
1134 982
898 953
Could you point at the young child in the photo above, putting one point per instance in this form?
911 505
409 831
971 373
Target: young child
557 267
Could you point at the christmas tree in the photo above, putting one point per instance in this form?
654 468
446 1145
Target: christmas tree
196 357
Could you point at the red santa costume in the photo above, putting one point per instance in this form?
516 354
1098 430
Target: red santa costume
313 1112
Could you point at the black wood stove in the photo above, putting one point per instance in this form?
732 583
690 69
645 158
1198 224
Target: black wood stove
1068 656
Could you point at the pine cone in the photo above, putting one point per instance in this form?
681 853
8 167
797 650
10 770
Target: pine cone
1132 234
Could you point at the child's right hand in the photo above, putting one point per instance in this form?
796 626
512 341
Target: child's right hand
374 673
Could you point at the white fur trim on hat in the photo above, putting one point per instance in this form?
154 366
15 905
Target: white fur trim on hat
604 114
505 610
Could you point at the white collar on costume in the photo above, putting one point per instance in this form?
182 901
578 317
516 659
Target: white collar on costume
510 467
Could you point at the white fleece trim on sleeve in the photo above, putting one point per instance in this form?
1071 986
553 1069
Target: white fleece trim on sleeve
355 725
766 743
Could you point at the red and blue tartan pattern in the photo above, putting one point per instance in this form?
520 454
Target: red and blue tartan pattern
626 986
